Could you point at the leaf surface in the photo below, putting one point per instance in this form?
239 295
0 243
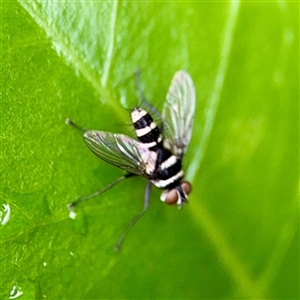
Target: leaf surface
237 238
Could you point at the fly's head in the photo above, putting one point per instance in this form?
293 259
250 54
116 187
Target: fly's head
177 195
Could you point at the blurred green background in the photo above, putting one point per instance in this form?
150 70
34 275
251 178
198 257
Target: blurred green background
239 235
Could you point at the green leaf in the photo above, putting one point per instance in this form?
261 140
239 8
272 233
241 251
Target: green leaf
239 235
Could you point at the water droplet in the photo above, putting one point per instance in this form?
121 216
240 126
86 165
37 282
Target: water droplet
5 214
15 292
72 214
44 264
78 223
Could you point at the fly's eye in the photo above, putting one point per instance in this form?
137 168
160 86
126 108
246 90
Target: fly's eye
170 197
178 195
186 187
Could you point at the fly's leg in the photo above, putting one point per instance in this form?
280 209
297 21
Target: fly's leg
68 121
72 205
136 218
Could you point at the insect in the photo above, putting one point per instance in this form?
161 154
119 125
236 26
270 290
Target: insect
157 152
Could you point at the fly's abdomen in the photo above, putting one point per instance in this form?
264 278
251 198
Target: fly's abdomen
168 172
146 129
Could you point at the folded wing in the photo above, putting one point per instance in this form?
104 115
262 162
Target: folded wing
178 113
121 151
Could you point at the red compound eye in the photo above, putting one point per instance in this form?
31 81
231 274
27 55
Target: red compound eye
171 197
186 187
177 195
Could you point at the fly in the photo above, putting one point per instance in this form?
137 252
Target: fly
157 152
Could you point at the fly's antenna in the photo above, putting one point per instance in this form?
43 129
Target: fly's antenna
136 218
68 121
137 77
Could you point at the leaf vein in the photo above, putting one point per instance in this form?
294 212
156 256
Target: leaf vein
69 53
110 49
223 249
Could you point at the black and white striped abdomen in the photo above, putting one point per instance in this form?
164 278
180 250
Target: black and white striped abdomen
146 129
168 173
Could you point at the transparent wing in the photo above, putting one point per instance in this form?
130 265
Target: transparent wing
121 151
178 113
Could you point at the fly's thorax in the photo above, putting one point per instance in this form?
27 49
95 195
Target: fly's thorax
149 160
177 195
146 129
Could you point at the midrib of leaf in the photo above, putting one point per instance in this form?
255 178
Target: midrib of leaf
213 102
100 85
225 252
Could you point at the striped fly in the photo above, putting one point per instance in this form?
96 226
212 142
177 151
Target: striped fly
158 151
